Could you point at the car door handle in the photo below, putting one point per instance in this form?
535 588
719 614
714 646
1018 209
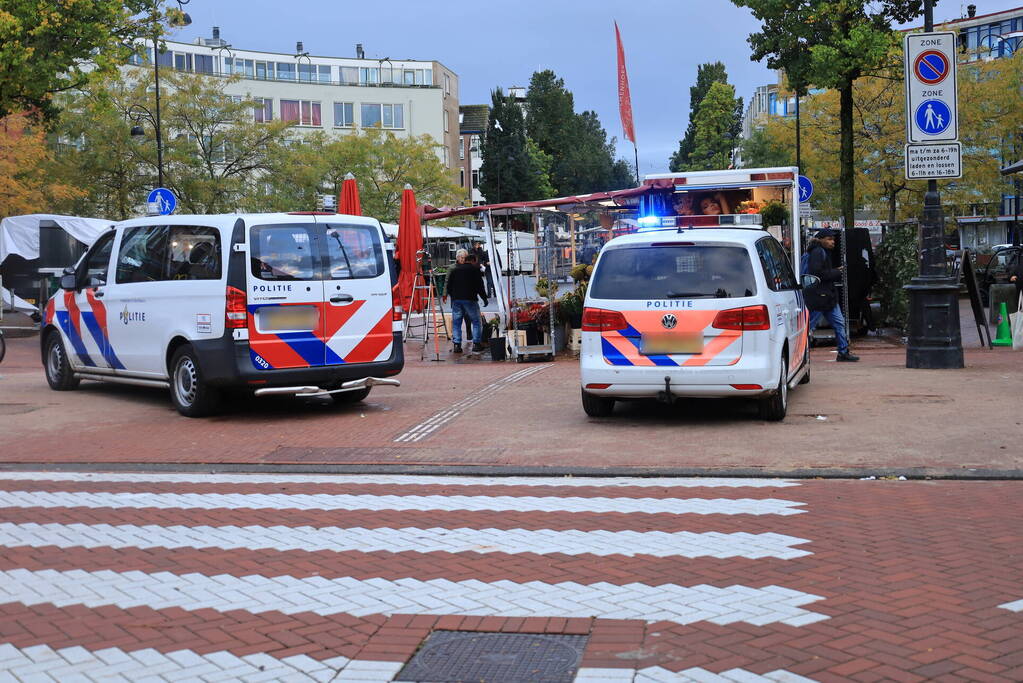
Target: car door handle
98 293
342 299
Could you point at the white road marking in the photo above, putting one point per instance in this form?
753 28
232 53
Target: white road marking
40 662
323 501
657 674
290 595
394 479
1015 606
464 540
441 418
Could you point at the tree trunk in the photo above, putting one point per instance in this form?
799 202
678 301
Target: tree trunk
892 202
847 170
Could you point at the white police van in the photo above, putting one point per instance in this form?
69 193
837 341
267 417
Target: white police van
299 304
709 307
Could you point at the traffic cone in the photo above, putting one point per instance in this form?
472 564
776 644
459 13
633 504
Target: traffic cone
1004 335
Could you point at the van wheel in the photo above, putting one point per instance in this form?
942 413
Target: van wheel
774 407
346 397
597 406
190 393
59 375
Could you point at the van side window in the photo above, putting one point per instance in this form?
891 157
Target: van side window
284 252
194 253
143 254
97 263
777 270
353 251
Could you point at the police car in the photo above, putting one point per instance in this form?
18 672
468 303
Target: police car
712 312
300 304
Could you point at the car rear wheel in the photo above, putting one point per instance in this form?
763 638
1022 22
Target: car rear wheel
59 375
190 393
597 406
773 407
346 397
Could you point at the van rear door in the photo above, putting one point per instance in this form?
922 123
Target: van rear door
357 292
285 296
671 296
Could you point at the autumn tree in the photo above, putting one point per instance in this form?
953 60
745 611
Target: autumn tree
381 162
707 74
830 44
48 47
25 185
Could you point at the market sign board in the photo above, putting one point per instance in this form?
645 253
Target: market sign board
938 160
932 107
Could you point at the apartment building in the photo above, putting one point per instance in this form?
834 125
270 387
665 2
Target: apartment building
472 126
337 94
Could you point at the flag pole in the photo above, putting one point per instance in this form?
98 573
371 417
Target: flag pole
636 150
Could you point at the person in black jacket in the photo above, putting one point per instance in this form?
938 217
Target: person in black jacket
822 299
465 283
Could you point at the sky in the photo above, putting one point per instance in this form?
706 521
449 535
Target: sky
491 43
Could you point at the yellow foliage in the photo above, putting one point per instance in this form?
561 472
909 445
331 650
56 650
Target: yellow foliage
25 185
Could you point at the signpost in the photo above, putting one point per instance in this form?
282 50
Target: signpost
161 202
932 152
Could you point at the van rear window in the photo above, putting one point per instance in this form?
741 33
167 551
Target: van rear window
674 272
284 252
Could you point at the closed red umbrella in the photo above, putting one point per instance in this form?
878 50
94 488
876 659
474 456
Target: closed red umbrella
349 202
410 243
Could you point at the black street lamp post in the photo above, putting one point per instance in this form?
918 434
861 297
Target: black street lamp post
935 340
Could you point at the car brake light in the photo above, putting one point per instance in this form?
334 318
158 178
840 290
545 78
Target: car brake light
747 387
599 320
397 313
745 318
235 314
594 385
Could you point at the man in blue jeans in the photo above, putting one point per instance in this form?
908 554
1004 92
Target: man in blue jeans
465 283
822 299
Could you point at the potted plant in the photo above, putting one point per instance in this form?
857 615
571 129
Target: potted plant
774 212
570 309
493 337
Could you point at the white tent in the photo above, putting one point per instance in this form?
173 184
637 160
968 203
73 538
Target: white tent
432 231
19 235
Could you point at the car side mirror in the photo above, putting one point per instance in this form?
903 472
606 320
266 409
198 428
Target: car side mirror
809 281
68 282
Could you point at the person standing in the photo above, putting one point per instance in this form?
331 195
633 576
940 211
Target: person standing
464 284
483 258
822 298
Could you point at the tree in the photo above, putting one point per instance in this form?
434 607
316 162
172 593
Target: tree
48 47
381 162
714 124
830 44
509 172
706 75
25 185
762 149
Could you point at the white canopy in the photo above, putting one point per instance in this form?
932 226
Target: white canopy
20 235
432 231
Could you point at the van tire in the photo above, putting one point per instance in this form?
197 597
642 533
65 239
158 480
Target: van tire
59 374
346 397
773 408
597 406
190 394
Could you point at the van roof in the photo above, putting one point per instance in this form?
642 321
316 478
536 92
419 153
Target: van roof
228 219
737 235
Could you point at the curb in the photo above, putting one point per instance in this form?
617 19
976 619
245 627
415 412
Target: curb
910 473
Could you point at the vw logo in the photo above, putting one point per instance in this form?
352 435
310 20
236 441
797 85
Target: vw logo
669 321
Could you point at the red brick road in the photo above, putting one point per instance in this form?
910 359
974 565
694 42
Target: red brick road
904 580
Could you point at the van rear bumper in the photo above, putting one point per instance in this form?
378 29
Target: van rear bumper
226 362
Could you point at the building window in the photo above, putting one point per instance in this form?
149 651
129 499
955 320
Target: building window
183 61
349 74
344 114
461 177
263 111
383 115
369 74
475 178
446 157
447 121
301 112
461 146
285 71
265 70
243 67
447 84
474 146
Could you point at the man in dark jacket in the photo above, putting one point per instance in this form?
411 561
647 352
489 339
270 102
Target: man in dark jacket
822 299
483 259
465 283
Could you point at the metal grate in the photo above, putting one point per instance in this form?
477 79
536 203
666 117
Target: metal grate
470 656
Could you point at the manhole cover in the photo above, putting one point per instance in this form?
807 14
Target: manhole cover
465 656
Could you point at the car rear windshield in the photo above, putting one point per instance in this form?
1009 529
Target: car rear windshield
674 272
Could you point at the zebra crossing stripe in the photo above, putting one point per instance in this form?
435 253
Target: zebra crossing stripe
395 480
40 662
657 674
312 539
322 596
322 501
1015 606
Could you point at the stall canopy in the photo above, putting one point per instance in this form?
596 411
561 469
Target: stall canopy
19 235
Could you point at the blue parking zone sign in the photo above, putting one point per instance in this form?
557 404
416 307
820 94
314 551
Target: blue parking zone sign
162 201
805 188
933 117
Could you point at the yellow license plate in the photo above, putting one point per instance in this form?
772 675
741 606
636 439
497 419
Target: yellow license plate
289 318
678 342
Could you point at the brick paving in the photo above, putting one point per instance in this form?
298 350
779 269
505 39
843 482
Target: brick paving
896 580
